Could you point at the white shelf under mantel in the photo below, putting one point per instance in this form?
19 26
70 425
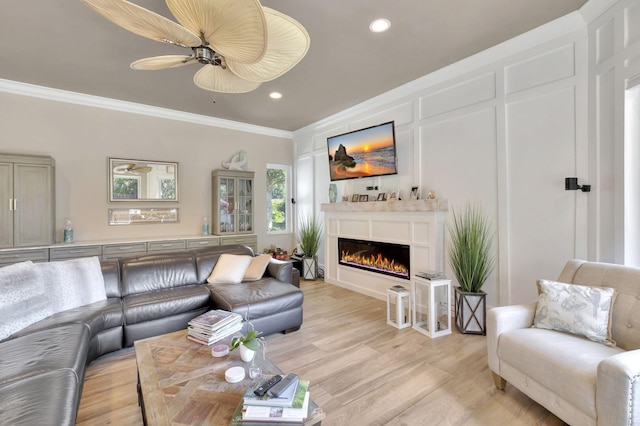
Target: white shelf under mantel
438 205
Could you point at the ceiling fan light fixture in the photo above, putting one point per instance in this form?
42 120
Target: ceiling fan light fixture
240 43
379 25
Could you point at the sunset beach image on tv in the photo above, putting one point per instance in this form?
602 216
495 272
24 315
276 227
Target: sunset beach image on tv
363 153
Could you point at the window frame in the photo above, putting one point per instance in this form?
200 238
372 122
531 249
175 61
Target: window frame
288 188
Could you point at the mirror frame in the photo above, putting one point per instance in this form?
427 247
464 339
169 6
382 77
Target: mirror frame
113 162
143 215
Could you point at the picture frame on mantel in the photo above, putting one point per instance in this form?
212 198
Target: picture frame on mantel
355 198
382 196
394 195
363 198
415 193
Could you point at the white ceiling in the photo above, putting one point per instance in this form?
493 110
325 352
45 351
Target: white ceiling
63 44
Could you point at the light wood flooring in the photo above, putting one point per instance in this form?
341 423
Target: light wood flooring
362 371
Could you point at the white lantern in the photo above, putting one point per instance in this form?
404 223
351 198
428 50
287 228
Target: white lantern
399 307
432 306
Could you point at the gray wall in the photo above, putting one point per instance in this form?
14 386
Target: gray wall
80 138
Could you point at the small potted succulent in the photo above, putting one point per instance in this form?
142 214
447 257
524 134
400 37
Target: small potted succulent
248 344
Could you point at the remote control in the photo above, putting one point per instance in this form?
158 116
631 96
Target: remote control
279 388
264 387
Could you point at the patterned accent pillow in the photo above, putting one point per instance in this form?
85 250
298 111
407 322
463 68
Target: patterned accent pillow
575 309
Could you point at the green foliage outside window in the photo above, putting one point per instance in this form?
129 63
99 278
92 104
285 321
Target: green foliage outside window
277 199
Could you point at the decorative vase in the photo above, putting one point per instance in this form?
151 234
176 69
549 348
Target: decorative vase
333 193
310 268
246 354
471 310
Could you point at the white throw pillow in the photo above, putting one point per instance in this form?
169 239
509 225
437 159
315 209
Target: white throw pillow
73 283
256 269
575 309
23 298
230 268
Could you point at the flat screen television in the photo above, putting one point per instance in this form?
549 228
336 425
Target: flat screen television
363 153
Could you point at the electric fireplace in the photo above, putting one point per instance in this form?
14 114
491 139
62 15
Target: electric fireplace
382 258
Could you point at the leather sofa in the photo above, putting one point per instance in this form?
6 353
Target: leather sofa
42 366
581 381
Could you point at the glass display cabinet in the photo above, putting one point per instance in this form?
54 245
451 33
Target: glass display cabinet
232 202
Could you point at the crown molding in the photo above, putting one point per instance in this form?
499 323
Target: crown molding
25 89
593 9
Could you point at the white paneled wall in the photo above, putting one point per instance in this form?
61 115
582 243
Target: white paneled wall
614 66
503 130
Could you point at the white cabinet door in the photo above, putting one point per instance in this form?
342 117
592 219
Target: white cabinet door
33 222
6 205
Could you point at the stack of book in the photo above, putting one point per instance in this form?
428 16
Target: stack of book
291 406
213 326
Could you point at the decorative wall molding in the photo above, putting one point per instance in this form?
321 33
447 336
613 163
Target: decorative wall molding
48 93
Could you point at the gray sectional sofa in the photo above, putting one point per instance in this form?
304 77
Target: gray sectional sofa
42 366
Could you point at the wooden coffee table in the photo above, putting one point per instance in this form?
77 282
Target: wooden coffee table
179 382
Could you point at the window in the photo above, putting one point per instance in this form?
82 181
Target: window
278 189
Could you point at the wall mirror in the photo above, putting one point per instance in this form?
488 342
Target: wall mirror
142 180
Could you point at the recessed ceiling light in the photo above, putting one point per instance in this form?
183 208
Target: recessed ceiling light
275 95
380 25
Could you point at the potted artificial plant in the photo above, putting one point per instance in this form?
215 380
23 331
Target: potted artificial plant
472 261
248 344
310 235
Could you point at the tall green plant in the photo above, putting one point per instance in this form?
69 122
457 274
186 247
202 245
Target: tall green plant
310 235
470 254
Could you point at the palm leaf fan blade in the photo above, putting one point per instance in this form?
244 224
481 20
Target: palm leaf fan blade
287 44
143 22
218 79
162 62
235 29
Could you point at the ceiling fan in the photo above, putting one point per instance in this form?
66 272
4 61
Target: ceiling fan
240 43
132 168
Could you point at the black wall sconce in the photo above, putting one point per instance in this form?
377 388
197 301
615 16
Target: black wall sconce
571 184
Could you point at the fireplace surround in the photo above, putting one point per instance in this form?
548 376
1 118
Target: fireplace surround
418 224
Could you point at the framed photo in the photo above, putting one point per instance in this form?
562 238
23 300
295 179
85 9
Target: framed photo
415 193
394 195
382 196
345 198
363 197
355 198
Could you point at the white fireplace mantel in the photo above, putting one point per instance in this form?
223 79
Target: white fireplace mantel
418 223
388 206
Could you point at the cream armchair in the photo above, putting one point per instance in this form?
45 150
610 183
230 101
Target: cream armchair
581 381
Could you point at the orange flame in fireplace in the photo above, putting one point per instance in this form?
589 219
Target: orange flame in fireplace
375 261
